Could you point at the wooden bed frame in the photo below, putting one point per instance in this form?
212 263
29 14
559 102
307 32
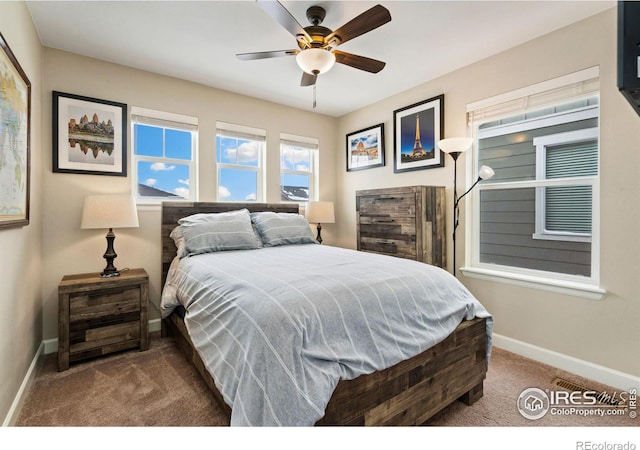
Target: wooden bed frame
409 393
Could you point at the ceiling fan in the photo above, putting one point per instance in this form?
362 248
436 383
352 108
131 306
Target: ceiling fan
316 53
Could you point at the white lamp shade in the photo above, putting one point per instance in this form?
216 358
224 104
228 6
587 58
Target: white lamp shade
486 172
455 145
315 60
320 212
109 211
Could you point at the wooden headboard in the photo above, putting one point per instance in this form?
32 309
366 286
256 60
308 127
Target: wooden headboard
173 211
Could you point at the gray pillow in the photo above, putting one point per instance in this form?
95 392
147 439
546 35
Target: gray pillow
282 228
206 233
177 234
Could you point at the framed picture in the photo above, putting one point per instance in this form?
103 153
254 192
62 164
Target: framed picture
15 132
365 148
416 129
89 135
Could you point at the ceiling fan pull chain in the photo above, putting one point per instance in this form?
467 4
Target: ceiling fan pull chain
314 96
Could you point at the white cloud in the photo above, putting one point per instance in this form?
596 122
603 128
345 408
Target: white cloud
185 182
161 166
251 197
150 181
247 152
223 192
182 192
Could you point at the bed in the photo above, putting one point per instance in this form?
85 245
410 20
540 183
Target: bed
403 378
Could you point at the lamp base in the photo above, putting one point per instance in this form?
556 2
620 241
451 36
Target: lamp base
110 254
318 237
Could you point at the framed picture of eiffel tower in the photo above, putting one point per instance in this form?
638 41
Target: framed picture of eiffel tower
416 129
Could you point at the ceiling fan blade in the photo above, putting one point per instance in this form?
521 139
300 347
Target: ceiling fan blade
264 55
281 15
365 22
308 79
359 62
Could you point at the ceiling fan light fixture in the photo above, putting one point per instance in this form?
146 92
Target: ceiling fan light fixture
315 60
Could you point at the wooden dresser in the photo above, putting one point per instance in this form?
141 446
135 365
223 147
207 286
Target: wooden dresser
407 222
98 315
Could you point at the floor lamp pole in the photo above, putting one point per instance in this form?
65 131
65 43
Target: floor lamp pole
454 147
455 155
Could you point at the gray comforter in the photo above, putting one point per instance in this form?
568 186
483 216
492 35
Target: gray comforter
278 327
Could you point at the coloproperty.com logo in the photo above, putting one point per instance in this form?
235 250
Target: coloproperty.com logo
534 403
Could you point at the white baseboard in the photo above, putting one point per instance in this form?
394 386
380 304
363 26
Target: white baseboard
586 369
12 415
154 325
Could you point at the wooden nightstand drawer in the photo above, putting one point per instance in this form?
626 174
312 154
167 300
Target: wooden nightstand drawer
102 315
94 306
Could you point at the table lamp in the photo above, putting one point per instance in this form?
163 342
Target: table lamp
320 212
109 211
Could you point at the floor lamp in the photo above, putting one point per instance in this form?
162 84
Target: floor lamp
455 147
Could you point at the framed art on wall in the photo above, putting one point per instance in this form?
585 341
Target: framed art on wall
416 130
15 132
365 148
89 135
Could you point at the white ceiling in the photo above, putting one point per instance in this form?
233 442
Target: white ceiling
198 41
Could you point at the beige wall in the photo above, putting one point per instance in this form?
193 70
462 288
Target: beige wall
603 332
67 248
20 248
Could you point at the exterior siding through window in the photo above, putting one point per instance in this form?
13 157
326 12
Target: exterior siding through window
508 216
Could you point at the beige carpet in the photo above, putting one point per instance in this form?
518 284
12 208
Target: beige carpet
160 388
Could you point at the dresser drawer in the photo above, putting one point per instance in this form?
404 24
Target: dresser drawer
391 247
402 228
395 205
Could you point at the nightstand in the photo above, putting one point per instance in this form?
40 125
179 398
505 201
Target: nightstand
97 316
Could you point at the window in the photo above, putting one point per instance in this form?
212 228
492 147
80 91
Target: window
239 155
298 163
564 212
536 219
164 156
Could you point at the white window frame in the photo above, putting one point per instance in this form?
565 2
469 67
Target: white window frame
542 143
583 84
248 133
164 119
311 144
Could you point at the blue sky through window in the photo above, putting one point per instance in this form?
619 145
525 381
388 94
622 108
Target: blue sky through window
295 159
239 181
165 146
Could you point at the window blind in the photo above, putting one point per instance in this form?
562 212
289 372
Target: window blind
240 132
581 84
568 208
572 160
163 119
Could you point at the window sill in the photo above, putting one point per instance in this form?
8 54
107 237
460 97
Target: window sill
576 289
